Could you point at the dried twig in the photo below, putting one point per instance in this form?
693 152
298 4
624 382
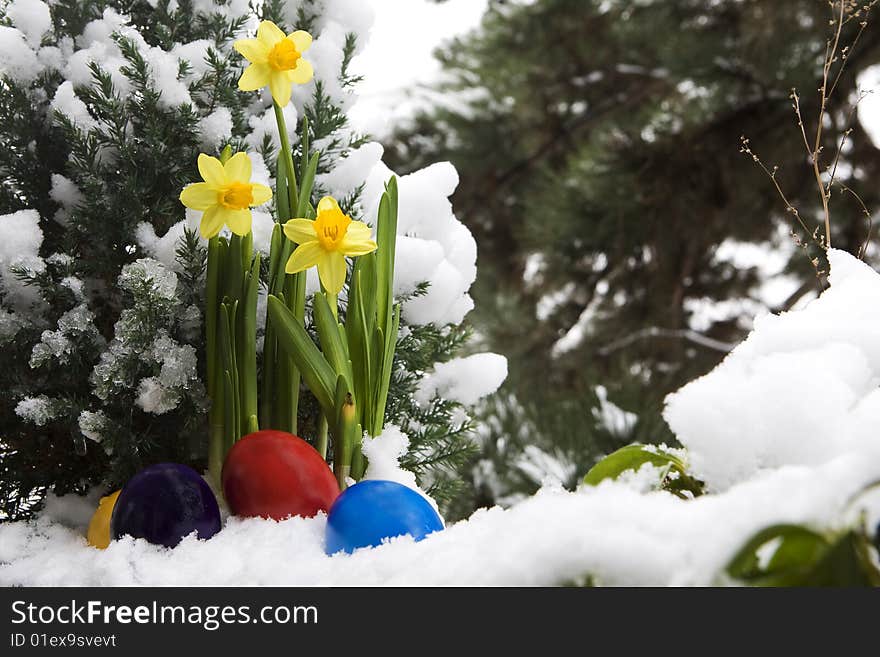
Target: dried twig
842 13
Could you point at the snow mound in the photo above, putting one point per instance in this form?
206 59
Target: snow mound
802 389
612 533
785 428
465 380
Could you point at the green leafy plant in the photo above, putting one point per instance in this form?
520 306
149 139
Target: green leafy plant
673 477
351 373
794 555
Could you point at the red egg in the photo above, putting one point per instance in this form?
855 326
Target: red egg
274 474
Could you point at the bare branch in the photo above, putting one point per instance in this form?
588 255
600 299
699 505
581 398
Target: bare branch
657 332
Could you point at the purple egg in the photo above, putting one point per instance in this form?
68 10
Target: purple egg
163 503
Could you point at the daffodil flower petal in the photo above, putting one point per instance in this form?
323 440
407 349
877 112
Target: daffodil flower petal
269 33
358 240
279 85
261 193
302 73
253 50
255 76
198 196
212 222
358 231
211 170
304 256
331 271
239 221
300 231
238 167
327 203
301 39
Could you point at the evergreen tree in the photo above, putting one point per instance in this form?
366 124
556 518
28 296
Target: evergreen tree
104 107
599 146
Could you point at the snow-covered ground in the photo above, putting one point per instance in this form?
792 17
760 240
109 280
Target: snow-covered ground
784 430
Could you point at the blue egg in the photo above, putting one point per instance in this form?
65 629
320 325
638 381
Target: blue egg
370 511
163 503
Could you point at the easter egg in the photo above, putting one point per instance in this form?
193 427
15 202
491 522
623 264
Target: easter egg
370 511
98 534
163 503
274 474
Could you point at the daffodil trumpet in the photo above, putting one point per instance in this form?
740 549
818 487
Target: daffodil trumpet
325 242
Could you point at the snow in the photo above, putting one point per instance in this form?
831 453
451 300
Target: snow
398 61
92 425
64 192
178 369
20 241
616 534
263 125
36 410
802 389
76 323
465 380
17 59
869 106
97 45
425 213
433 246
32 18
195 54
616 420
383 455
216 129
348 174
784 430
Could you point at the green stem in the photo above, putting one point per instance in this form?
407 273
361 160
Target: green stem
299 312
321 442
247 342
286 153
333 300
215 415
346 433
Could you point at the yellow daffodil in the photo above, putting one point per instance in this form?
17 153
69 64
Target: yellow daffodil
226 195
326 241
99 527
275 60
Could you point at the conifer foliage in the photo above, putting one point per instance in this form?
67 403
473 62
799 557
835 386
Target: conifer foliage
104 107
599 146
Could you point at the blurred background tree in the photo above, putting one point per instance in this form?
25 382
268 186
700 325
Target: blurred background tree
624 238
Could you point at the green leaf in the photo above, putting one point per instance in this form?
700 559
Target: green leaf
212 301
247 342
631 457
803 557
346 431
247 250
275 254
234 272
334 348
389 345
308 181
359 322
796 549
306 145
297 343
386 238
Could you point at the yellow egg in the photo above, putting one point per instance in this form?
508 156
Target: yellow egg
99 526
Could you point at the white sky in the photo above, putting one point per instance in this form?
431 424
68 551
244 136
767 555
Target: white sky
398 57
